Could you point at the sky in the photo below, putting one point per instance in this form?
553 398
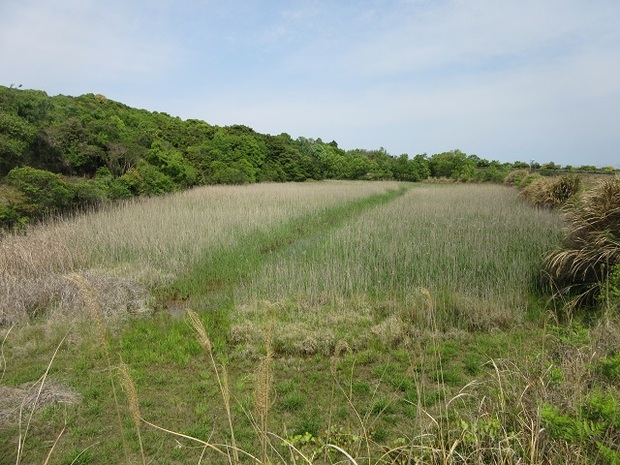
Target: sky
507 80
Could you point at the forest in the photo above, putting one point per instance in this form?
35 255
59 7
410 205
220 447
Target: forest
62 153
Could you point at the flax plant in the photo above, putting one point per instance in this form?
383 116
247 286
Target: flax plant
579 269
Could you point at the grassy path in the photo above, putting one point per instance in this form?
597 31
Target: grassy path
209 286
402 373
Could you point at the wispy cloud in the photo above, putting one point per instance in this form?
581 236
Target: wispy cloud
79 43
513 79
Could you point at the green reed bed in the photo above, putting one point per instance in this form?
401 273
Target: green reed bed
131 248
465 257
395 326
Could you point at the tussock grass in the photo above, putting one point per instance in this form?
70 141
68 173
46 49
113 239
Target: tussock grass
551 192
591 249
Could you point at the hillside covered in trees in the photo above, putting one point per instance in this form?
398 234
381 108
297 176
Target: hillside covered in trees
61 153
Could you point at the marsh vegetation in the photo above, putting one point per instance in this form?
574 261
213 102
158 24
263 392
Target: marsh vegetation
374 322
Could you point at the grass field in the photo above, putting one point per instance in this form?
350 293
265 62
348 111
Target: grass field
395 323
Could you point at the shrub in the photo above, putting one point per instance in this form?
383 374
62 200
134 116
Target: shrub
591 249
145 179
13 208
516 177
46 191
89 192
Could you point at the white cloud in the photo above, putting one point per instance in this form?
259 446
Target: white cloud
75 43
410 75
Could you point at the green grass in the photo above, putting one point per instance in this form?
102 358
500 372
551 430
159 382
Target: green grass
402 319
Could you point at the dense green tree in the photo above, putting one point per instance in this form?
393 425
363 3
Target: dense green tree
406 169
45 192
16 135
454 164
240 172
283 151
172 163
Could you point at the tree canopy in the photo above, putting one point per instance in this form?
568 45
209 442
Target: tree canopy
90 149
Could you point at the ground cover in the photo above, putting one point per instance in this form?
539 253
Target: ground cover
397 325
131 248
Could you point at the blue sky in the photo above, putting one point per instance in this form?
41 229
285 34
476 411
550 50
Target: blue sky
507 80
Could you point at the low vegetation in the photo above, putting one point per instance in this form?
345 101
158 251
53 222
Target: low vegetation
585 269
374 322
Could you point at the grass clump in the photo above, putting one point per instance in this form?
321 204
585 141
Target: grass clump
551 192
584 266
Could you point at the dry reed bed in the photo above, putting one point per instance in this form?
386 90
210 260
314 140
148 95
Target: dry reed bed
463 257
130 247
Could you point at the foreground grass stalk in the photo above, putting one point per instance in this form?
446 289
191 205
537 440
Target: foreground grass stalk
49 455
22 436
134 406
263 381
89 294
222 380
2 357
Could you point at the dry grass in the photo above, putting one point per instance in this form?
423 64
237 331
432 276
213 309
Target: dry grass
132 247
27 397
476 249
551 192
591 249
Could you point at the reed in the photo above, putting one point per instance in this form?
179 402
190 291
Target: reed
131 248
477 249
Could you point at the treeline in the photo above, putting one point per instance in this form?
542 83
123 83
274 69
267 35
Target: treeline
61 153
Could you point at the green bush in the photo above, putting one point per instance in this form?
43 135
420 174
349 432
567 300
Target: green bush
172 163
89 192
13 208
46 192
144 179
595 427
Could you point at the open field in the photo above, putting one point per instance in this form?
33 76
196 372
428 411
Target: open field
129 248
397 323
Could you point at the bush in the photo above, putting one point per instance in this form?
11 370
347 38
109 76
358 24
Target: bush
516 177
46 192
145 179
172 163
89 192
591 249
13 208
